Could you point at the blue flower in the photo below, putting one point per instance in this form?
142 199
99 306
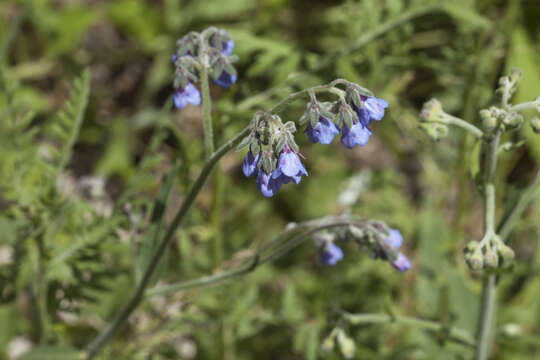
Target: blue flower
289 167
375 107
266 184
395 240
249 167
174 57
323 132
357 135
402 263
227 47
330 254
226 79
187 95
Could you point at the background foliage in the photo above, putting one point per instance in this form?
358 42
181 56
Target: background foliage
86 135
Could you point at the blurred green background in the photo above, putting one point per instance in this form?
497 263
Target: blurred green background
90 215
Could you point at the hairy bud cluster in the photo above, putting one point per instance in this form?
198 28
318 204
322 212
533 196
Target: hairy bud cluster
490 253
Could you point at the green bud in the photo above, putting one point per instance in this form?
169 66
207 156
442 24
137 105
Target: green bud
491 259
513 120
329 342
535 124
356 232
506 253
347 347
434 130
475 261
489 122
432 111
471 247
511 330
515 75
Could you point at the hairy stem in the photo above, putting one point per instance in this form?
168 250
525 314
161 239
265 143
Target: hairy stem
452 333
207 114
138 295
486 318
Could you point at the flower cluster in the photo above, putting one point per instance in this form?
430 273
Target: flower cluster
376 237
211 49
273 155
280 162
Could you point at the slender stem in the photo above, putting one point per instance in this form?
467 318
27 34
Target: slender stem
112 328
486 318
525 106
138 295
513 215
452 333
258 259
40 292
452 120
207 114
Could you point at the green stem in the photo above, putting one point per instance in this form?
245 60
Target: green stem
138 295
207 114
486 318
40 292
525 106
452 120
452 333
258 258
112 328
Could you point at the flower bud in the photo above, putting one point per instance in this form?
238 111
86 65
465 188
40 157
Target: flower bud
515 75
535 124
329 342
435 131
506 253
491 259
511 330
471 247
432 111
513 120
475 261
347 347
489 122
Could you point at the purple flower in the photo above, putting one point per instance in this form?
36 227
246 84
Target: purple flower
289 167
402 263
249 167
330 254
266 184
357 135
227 47
375 107
226 79
395 240
187 95
323 132
174 58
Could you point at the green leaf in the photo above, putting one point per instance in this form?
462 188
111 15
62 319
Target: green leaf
44 352
149 243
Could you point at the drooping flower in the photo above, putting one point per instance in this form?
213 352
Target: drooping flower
188 95
226 79
395 240
289 167
357 135
323 132
249 167
227 47
330 254
266 184
375 107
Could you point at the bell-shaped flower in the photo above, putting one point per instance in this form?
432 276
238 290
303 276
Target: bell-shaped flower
395 240
323 132
358 134
226 80
249 166
375 107
188 95
330 254
266 184
289 167
227 47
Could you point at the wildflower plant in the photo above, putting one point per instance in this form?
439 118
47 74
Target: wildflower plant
491 254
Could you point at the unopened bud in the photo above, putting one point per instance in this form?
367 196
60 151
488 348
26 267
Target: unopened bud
506 253
432 111
489 122
535 123
329 342
511 330
513 120
475 261
471 247
515 75
347 347
491 259
435 131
